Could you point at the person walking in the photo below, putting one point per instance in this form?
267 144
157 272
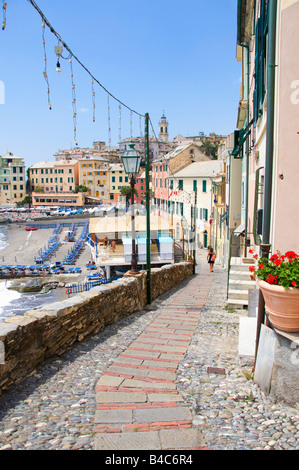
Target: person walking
211 259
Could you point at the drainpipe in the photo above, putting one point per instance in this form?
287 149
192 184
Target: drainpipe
265 245
246 46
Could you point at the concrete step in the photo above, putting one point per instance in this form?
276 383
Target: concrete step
238 294
241 284
237 303
241 275
237 264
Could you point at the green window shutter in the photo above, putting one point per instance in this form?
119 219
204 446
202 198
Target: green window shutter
204 186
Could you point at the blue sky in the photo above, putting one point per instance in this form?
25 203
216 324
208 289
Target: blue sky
172 56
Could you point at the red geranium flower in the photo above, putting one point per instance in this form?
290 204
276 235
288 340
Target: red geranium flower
261 266
272 279
274 257
277 262
291 255
294 283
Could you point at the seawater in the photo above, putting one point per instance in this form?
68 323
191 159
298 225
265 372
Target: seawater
13 302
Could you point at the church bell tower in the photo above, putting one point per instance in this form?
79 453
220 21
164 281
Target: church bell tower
163 129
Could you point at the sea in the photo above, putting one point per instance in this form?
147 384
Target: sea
14 303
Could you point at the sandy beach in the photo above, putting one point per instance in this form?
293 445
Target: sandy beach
23 247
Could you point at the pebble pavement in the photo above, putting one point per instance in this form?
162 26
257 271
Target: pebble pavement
55 408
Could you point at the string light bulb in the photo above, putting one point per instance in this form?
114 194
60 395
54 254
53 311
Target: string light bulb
58 69
58 52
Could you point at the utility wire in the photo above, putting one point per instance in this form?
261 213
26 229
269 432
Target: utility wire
36 7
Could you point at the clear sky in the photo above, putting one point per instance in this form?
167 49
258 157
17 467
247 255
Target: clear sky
162 55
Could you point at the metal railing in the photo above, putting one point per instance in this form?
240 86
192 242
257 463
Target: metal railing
86 286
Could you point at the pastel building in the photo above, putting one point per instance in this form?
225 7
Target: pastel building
54 183
93 173
266 139
12 179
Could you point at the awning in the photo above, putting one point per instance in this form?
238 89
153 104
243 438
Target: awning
239 230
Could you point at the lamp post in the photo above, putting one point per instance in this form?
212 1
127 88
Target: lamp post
131 161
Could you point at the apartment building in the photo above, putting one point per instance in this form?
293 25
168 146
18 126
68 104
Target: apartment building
266 139
54 183
191 199
165 166
93 173
12 179
117 179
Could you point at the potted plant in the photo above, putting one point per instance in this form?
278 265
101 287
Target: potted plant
278 279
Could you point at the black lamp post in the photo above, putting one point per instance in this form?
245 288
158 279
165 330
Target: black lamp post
131 161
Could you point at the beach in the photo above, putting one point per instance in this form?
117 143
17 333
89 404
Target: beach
20 247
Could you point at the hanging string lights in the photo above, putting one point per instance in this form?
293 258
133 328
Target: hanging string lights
93 102
4 8
45 73
74 102
109 121
131 125
119 123
58 51
140 127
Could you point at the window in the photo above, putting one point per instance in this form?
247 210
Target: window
181 185
204 186
113 179
194 185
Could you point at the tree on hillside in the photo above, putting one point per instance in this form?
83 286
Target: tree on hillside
209 149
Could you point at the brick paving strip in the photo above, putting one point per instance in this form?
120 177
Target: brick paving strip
138 405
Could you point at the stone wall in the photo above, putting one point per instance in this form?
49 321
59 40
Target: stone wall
37 335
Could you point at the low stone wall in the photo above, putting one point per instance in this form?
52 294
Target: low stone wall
28 340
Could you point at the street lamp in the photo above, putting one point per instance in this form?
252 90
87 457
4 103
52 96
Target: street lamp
131 161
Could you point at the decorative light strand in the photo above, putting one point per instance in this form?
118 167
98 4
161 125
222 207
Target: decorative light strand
119 123
93 102
109 124
45 73
74 102
4 7
35 6
140 127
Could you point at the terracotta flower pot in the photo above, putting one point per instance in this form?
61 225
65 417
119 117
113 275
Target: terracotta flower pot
282 306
